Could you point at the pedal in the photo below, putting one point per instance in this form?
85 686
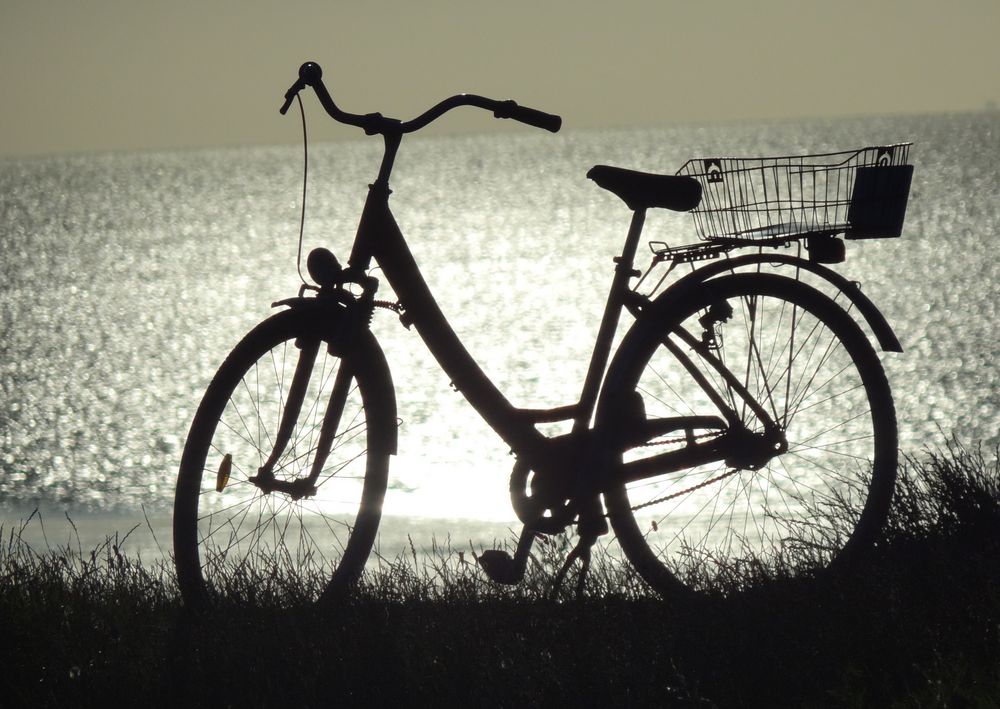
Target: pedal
503 568
500 567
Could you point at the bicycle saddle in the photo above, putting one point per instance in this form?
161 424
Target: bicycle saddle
641 190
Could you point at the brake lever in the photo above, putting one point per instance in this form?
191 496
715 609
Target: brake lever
291 94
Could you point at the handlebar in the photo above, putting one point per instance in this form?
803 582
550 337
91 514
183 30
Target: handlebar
310 74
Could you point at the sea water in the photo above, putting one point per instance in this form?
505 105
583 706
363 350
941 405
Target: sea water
126 278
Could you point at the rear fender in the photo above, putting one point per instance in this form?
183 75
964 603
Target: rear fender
883 332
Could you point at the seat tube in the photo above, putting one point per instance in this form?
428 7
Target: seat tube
609 322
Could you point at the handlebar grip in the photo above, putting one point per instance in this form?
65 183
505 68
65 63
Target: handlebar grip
529 116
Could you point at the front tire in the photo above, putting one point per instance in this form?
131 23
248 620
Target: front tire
272 549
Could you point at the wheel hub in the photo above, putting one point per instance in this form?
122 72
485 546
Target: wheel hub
752 451
296 489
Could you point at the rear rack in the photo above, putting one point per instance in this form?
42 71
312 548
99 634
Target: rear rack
688 252
761 201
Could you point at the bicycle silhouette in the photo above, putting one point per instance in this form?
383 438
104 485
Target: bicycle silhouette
740 405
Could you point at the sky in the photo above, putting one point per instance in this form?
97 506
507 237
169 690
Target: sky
111 75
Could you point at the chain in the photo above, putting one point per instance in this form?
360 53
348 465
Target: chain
669 441
717 478
389 305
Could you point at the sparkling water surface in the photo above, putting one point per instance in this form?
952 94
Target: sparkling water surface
127 278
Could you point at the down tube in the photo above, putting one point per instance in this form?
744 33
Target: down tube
391 252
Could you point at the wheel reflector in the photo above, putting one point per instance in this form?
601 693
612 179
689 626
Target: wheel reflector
222 479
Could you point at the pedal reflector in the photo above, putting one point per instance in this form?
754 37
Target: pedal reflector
225 467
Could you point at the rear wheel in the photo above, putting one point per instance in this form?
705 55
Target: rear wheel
812 370
233 538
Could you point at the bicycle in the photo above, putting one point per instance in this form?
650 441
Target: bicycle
741 405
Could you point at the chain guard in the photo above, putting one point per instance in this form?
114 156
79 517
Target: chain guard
533 512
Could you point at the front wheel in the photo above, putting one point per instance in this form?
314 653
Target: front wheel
233 537
815 499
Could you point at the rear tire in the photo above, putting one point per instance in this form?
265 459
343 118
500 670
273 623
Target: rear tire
818 504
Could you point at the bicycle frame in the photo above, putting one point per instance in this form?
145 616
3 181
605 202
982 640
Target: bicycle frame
577 459
380 239
574 469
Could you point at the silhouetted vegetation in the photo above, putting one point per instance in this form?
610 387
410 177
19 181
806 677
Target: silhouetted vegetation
917 625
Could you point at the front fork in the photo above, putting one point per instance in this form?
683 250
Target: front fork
265 479
326 271
305 487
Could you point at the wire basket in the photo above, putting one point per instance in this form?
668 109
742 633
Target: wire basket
860 193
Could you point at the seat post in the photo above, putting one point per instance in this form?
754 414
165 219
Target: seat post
626 260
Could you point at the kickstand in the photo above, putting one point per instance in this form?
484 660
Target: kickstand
582 552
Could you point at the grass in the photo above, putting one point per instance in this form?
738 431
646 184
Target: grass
917 625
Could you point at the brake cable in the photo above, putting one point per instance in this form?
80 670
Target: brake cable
305 176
